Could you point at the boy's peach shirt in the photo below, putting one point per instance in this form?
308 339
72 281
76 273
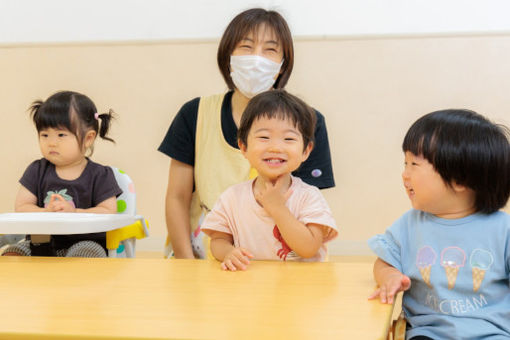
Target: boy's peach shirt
238 213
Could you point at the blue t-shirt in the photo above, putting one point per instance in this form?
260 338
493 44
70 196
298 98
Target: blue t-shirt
459 271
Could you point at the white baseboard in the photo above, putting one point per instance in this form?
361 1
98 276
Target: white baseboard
337 247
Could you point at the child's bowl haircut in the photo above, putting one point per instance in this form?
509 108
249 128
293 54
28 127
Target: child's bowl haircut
465 148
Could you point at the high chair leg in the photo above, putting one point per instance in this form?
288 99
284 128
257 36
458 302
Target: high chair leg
129 247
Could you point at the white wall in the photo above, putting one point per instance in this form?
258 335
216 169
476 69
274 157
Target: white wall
40 21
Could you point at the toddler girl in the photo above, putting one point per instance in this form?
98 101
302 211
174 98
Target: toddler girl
451 253
66 180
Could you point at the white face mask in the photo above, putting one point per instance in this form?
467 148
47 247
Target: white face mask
253 74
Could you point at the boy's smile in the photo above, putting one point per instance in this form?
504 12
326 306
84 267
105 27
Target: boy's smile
274 147
428 191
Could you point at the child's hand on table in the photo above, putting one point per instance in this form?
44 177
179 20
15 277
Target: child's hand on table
238 258
393 283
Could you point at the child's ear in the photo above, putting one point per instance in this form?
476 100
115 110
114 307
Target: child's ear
90 136
307 151
242 146
458 188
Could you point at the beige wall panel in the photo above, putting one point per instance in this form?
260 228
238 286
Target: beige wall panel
370 91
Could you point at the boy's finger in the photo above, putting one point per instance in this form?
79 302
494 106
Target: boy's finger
287 194
374 294
238 264
382 294
230 265
246 253
405 283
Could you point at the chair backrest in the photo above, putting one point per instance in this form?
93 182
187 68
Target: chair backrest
126 202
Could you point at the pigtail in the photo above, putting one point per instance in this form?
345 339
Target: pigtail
34 109
106 119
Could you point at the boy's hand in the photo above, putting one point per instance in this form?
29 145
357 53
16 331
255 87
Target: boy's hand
59 204
273 195
238 258
393 284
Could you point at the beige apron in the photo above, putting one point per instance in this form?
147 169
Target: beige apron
217 166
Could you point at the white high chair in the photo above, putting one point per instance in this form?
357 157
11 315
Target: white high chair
120 242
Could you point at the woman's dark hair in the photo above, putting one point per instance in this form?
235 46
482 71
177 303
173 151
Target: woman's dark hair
248 22
466 148
72 111
282 105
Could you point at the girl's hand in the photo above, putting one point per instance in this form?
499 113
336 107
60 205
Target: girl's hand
393 284
238 258
59 204
273 195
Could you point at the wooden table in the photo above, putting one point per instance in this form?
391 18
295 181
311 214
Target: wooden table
61 298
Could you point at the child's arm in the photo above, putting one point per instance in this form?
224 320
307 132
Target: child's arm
305 240
59 204
108 206
390 281
26 201
222 248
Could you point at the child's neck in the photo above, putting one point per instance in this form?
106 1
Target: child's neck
71 171
456 214
260 183
462 206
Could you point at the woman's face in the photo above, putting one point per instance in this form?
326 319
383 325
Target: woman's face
263 42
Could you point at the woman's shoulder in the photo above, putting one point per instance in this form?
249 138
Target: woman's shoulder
188 113
189 110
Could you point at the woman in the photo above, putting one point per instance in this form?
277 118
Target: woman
255 54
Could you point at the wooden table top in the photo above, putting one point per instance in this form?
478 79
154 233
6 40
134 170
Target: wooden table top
53 298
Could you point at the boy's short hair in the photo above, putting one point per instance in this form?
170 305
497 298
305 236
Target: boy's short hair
466 148
282 105
248 22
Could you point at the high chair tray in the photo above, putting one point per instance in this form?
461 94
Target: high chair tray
63 223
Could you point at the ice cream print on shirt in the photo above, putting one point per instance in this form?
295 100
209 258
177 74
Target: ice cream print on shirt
425 259
62 192
480 261
454 262
453 259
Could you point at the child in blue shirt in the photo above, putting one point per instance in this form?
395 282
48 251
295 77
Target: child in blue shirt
451 253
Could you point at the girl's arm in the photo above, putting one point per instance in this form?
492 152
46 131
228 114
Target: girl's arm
222 248
26 201
108 206
390 281
177 207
